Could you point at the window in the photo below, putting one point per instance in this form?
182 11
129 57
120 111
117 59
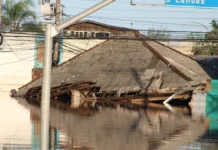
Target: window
80 34
63 33
85 34
93 34
107 35
72 33
100 35
77 34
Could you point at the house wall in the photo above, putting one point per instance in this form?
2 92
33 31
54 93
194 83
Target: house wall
94 28
16 60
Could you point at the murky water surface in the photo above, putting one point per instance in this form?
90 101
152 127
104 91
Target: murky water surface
193 127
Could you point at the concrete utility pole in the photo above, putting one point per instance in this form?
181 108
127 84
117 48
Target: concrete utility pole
51 31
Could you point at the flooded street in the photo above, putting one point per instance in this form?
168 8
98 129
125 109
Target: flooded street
183 128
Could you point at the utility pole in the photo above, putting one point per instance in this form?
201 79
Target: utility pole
56 44
51 31
58 12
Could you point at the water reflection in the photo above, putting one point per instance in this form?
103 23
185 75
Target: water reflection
15 125
153 128
209 140
212 114
156 128
54 134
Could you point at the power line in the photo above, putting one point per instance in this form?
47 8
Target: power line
17 61
143 38
116 1
140 21
20 49
20 60
144 10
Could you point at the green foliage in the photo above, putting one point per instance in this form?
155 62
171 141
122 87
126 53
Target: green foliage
206 48
16 13
31 27
159 34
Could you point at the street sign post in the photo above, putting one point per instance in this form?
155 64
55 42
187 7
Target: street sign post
192 3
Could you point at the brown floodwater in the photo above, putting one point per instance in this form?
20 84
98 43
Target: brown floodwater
156 128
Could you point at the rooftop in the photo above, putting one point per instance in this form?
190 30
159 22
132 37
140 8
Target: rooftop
127 65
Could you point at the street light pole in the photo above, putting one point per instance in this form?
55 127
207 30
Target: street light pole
51 31
84 14
45 102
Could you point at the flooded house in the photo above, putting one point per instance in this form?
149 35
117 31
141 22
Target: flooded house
126 68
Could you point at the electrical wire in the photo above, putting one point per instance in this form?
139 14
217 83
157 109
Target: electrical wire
14 52
140 21
17 60
173 38
144 38
144 10
71 49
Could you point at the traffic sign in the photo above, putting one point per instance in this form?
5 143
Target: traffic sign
192 3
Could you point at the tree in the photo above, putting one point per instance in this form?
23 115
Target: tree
16 13
31 27
208 43
159 34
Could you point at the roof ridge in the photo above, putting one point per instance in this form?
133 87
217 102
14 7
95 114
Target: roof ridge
173 49
166 61
102 24
137 34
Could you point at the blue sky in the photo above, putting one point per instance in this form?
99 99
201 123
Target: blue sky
121 13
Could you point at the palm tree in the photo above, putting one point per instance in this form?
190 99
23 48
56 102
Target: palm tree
15 13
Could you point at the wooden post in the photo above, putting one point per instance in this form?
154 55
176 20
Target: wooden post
58 12
75 99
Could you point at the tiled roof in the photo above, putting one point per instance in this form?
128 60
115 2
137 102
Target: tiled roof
127 65
103 25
